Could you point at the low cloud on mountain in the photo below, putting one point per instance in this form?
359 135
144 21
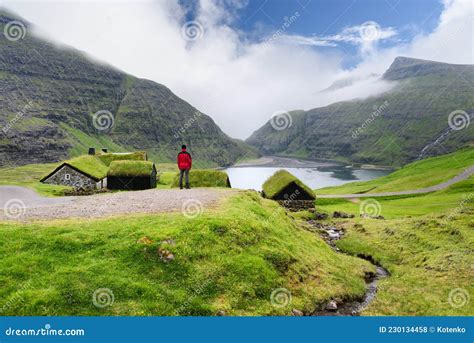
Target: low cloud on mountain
239 81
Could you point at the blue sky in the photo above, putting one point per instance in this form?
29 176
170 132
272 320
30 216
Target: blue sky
330 16
257 18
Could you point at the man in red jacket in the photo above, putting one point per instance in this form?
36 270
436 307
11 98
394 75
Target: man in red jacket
185 163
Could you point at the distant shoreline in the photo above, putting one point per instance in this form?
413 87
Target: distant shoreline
296 162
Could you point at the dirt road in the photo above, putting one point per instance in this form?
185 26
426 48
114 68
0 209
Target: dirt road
19 203
461 177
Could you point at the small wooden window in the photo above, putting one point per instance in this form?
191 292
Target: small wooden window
67 177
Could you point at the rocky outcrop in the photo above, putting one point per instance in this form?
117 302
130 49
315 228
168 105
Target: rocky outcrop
297 205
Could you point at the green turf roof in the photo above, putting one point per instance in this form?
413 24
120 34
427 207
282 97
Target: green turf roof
130 168
281 179
89 165
107 157
205 178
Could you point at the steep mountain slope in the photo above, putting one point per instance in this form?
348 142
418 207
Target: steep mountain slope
411 121
54 103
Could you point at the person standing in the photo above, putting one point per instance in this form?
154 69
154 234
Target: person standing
185 163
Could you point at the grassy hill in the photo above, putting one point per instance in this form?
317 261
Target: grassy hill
56 102
429 258
393 128
426 243
230 259
424 173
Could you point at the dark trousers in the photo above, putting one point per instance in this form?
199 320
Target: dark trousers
184 172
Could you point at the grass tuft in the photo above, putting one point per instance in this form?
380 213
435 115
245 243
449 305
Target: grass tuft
205 178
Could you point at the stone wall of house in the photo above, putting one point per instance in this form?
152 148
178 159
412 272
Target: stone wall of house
297 205
67 176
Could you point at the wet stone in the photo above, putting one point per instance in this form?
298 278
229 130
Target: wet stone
297 313
331 306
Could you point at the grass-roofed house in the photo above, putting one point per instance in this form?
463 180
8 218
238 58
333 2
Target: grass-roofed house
108 157
289 191
83 172
131 175
205 178
89 172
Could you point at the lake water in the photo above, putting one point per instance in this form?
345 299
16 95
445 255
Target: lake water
316 174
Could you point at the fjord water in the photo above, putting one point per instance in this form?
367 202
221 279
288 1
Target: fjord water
316 174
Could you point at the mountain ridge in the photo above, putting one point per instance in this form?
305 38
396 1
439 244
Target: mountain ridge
54 101
403 67
388 129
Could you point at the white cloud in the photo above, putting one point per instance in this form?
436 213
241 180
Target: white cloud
365 35
304 40
239 83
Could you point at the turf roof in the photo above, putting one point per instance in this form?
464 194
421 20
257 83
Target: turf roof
280 180
89 165
108 157
205 178
130 168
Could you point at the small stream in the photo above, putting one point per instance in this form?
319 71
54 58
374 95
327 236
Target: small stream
330 235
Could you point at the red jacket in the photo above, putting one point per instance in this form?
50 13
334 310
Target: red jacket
184 160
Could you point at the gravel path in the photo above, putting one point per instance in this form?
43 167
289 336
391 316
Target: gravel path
463 176
19 203
28 196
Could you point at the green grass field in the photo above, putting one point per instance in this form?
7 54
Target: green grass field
420 174
407 205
